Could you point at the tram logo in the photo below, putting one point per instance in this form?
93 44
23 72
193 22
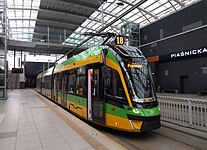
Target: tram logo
189 53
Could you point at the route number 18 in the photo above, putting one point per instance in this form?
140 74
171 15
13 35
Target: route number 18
119 40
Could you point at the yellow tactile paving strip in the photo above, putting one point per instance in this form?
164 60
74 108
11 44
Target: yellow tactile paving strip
86 136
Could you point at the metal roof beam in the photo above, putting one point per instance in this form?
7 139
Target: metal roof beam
172 5
54 21
141 9
40 47
38 33
38 27
62 23
60 13
180 3
76 15
73 3
80 3
89 8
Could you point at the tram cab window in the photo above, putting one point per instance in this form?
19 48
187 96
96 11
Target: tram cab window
114 85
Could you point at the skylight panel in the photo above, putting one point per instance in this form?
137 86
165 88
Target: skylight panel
107 17
129 15
19 23
78 29
159 9
91 24
117 10
85 22
95 27
147 4
36 3
83 30
26 14
32 23
34 14
20 17
167 5
12 23
93 15
106 5
111 7
153 6
139 20
25 23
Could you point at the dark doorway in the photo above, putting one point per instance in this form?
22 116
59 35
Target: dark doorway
95 95
184 84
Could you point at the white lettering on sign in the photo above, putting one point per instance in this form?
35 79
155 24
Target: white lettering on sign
189 53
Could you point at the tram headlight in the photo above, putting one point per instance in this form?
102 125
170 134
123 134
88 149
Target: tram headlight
136 111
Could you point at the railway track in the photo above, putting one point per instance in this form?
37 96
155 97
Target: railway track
164 138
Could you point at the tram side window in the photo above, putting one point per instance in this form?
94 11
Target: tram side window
80 82
43 82
114 85
47 82
72 78
65 81
118 89
81 86
108 84
60 81
38 83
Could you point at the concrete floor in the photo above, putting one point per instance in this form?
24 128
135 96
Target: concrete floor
29 121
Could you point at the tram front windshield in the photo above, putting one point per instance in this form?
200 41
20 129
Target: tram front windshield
140 80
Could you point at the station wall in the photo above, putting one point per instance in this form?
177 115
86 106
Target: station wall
184 31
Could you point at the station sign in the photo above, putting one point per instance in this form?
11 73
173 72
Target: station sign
189 53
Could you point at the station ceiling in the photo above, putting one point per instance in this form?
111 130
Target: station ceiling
65 21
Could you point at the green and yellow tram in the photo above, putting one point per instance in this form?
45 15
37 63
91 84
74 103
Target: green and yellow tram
108 85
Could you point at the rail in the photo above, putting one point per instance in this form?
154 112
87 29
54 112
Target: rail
184 111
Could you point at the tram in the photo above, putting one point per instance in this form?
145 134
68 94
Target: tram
110 85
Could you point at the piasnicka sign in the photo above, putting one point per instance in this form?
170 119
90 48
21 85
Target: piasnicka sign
189 53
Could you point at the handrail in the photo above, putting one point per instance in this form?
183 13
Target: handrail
184 111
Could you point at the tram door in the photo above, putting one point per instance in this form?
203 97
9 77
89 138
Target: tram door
96 103
64 90
58 88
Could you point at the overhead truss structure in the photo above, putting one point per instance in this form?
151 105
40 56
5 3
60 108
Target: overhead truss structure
65 21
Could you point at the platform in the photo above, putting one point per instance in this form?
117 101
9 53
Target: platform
28 121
